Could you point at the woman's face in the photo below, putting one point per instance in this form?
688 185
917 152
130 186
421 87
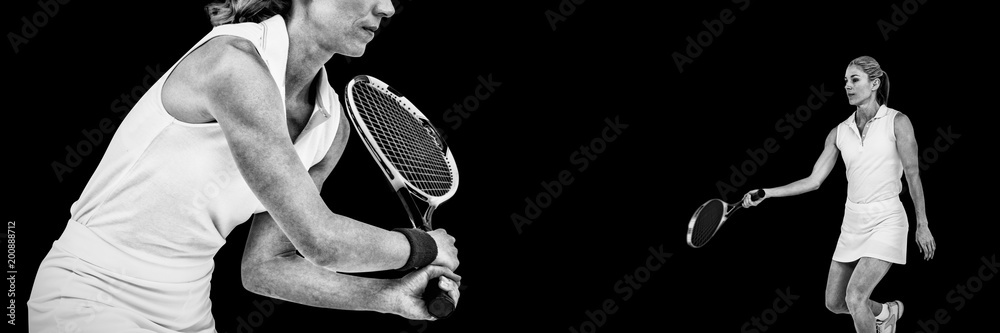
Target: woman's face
857 85
345 26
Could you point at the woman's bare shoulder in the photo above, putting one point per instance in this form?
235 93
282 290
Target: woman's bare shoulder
218 62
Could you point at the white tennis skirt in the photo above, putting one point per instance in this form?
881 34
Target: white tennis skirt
85 284
876 230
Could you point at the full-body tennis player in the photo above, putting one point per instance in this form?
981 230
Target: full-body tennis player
878 148
244 125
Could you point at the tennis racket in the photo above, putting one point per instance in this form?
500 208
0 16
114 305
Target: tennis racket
413 156
707 220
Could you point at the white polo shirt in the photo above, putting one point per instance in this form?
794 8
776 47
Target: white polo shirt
169 192
874 169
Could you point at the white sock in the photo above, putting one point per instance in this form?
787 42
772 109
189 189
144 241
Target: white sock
884 314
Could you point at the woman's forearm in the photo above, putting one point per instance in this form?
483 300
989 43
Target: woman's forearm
795 188
348 245
354 246
824 164
292 278
917 194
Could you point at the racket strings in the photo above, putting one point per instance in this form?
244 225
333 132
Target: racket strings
707 223
404 140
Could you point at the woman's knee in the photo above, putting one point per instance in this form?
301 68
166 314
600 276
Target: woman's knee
835 303
856 298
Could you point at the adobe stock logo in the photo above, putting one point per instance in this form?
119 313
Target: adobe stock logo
624 288
462 110
29 28
95 137
566 9
551 190
781 303
899 17
945 139
713 29
961 294
757 157
255 319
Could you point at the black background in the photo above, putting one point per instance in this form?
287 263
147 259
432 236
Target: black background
606 60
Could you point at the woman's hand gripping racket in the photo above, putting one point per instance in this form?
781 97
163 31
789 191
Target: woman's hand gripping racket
707 220
413 156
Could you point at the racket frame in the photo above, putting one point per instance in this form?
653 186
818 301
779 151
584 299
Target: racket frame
727 208
404 188
396 180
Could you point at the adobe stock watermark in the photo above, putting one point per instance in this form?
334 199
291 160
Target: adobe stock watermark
581 158
48 9
962 293
565 9
94 137
255 318
786 126
624 289
462 110
713 29
945 139
769 316
211 190
899 16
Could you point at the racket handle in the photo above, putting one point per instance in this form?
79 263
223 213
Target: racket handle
757 195
439 303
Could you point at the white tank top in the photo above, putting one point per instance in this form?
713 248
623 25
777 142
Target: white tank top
874 170
168 191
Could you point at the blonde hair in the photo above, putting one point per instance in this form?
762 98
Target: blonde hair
239 11
869 66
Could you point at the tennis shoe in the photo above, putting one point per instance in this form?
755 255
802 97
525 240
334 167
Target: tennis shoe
889 324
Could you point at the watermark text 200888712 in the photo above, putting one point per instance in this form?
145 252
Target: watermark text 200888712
11 273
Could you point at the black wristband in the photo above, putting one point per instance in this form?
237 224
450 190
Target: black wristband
423 249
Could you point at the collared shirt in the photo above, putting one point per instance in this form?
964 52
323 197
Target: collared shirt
169 192
874 169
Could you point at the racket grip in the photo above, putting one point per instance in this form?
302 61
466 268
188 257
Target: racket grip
757 195
439 303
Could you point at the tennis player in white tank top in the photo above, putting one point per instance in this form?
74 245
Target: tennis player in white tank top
878 148
244 125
